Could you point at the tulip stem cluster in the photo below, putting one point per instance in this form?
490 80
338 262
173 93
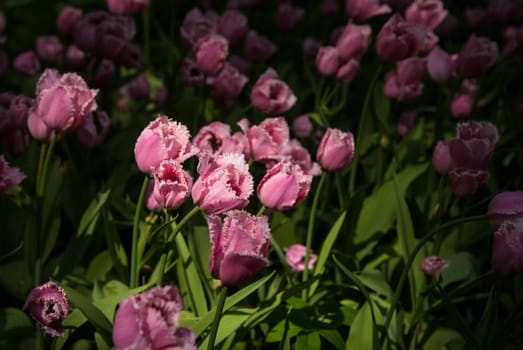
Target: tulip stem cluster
217 317
135 259
43 165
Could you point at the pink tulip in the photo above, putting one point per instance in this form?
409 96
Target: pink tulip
271 95
233 26
191 74
406 82
63 102
284 186
433 264
224 183
258 48
347 72
94 130
439 65
505 206
211 52
74 57
37 128
473 145
365 9
267 138
302 126
353 41
171 186
47 304
462 105
9 176
67 19
428 13
327 60
196 25
441 158
295 258
398 39
162 139
295 153
336 149
211 138
127 7
239 246
27 63
150 320
507 248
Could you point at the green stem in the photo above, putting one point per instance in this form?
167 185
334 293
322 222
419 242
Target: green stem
361 127
310 228
182 222
261 211
412 256
41 176
135 260
217 317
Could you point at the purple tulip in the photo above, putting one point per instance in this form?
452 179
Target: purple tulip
196 25
229 82
327 60
67 19
191 74
439 65
398 39
476 57
211 52
365 9
266 139
150 320
137 89
127 7
302 126
94 130
406 82
49 49
353 41
258 48
295 258
233 26
347 72
288 17
74 57
239 246
47 304
27 63
336 149
406 123
428 13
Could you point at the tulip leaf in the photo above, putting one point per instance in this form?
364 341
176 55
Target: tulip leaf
444 339
333 337
78 245
73 321
187 270
282 329
375 280
310 341
362 331
229 323
95 316
111 294
379 211
17 329
101 342
234 299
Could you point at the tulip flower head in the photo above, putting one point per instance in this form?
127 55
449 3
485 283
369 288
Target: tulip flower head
271 95
9 176
239 246
336 149
150 320
295 258
47 304
433 264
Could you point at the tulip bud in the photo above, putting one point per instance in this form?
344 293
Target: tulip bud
93 131
47 305
428 13
405 123
327 60
74 57
127 7
211 52
137 89
271 95
288 17
9 176
49 49
310 47
27 63
353 41
439 65
258 48
302 126
336 149
476 57
365 9
399 39
232 25
433 264
295 258
441 158
67 19
347 72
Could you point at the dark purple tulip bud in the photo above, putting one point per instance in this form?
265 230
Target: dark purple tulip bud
74 57
27 63
229 82
464 101
327 60
191 74
399 39
101 73
428 13
49 49
211 52
476 57
127 7
47 305
233 26
196 25
288 17
441 158
240 63
439 65
310 47
406 82
258 48
447 26
329 8
365 9
465 182
160 97
347 72
93 131
505 206
137 89
406 123
433 264
67 19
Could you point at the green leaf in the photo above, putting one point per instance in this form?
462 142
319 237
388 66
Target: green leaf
445 339
234 299
229 323
101 342
187 270
17 329
78 245
281 329
463 266
15 278
362 331
110 295
381 103
73 321
99 266
310 341
333 337
379 211
93 314
375 280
